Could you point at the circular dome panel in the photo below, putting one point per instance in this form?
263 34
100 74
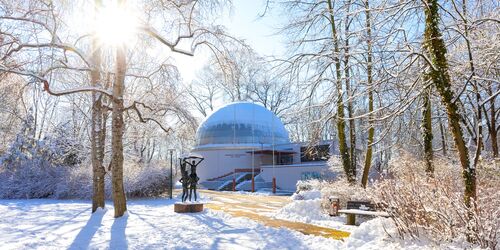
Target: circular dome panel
241 123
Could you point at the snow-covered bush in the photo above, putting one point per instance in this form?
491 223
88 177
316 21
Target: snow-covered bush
140 180
428 208
323 189
33 168
433 208
69 151
146 180
55 167
343 190
77 184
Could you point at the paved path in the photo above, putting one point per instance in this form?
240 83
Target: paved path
256 207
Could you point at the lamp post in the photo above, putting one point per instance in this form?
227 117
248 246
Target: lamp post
171 175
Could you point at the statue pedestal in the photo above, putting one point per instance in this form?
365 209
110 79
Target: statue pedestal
188 207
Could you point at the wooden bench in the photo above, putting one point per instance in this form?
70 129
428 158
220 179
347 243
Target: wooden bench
365 208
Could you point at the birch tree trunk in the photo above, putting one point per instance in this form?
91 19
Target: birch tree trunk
96 135
350 108
369 68
119 198
436 49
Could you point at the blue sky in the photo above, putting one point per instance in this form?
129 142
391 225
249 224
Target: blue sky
245 23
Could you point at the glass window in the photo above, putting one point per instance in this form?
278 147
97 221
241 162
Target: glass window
310 176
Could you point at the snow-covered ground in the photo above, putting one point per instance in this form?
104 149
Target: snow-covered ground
152 224
378 233
306 208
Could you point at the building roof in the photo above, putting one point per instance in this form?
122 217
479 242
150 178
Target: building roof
241 123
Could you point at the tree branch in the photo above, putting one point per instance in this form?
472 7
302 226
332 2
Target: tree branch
46 85
146 119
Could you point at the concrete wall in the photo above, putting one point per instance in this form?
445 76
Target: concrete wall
288 175
222 161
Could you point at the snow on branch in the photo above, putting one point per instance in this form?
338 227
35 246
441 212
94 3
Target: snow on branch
172 45
146 119
491 97
217 34
63 46
46 85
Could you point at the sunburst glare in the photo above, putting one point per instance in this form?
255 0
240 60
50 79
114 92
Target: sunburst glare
115 25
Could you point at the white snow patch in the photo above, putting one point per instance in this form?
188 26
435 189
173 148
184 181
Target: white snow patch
302 210
306 195
310 211
256 193
150 224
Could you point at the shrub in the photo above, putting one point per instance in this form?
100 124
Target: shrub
54 168
33 168
429 208
424 207
146 180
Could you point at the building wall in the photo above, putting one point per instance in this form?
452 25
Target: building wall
219 162
224 159
288 175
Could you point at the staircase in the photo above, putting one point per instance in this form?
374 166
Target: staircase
241 178
259 184
214 184
225 182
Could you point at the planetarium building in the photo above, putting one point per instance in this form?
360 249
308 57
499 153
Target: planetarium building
243 140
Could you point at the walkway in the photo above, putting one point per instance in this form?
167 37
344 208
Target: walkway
256 207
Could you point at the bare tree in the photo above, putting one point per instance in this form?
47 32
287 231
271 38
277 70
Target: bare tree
189 27
369 69
344 154
434 44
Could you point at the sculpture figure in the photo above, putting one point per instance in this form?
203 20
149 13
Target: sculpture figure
193 180
185 180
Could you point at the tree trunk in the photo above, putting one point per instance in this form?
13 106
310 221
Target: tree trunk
96 136
479 134
350 109
427 132
119 198
436 49
443 136
344 154
494 142
493 131
371 129
97 152
491 122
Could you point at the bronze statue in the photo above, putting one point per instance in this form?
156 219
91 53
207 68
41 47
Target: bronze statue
190 181
193 180
184 180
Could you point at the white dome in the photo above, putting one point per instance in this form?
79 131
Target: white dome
241 123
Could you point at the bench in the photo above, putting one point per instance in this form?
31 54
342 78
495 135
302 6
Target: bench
365 208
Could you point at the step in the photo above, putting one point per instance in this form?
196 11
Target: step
239 178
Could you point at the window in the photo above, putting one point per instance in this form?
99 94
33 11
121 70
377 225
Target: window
310 176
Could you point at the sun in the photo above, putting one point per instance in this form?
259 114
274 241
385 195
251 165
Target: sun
115 25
